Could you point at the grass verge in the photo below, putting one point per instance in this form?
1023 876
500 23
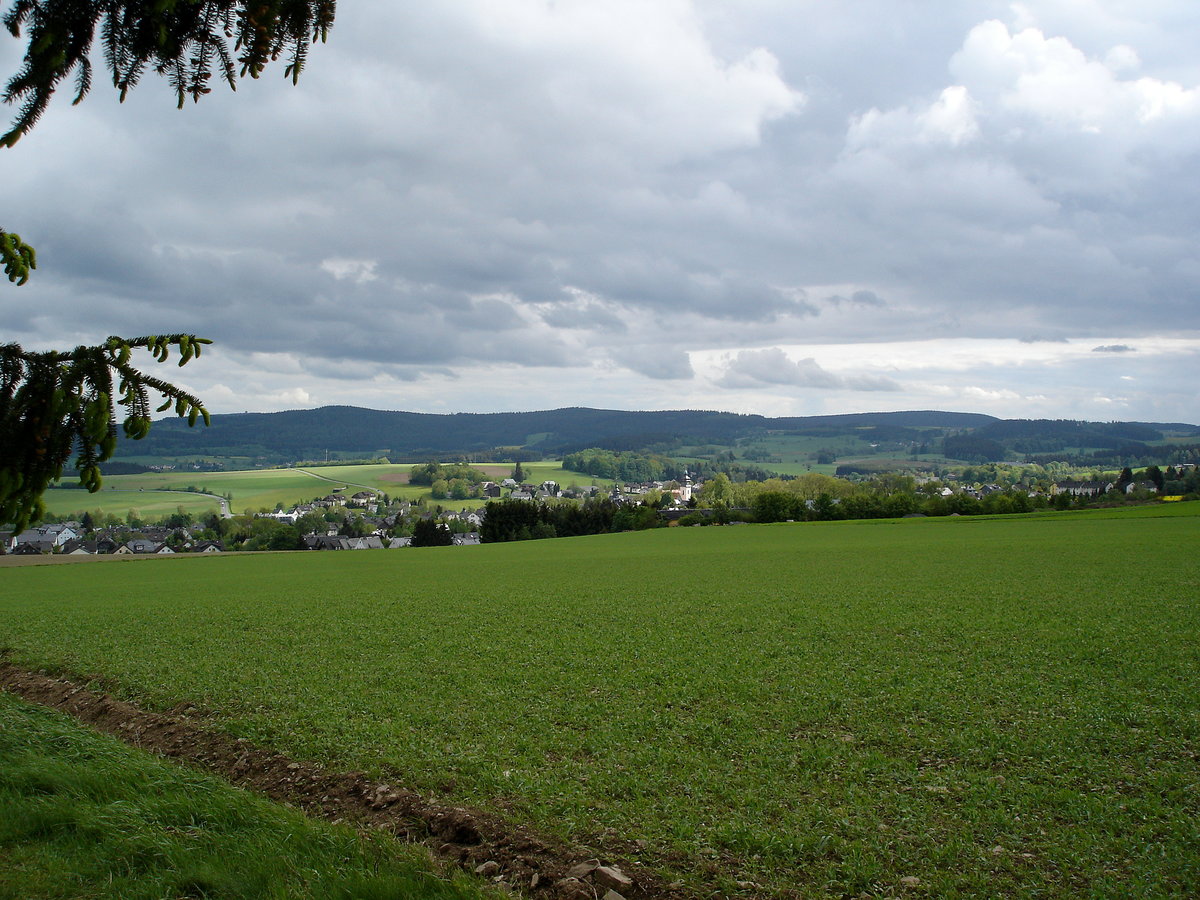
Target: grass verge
84 816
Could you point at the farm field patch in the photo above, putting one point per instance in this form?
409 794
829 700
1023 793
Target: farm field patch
252 489
149 505
993 707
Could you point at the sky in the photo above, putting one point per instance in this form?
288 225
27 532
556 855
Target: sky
783 207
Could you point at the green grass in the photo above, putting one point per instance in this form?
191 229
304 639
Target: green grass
998 707
84 816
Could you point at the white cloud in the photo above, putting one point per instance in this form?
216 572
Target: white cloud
1051 80
360 271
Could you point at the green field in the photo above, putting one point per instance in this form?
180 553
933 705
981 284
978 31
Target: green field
994 707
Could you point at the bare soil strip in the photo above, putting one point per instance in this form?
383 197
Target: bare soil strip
507 854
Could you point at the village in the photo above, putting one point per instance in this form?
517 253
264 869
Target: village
367 520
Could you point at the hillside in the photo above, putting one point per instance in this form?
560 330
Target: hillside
345 431
310 433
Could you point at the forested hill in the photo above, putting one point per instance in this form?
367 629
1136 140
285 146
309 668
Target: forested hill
310 433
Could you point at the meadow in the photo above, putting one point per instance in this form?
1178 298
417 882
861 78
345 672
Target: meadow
953 707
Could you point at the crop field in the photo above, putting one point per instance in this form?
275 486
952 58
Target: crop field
251 489
149 505
951 707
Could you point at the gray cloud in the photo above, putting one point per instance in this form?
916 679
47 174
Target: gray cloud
750 368
858 298
657 362
1114 348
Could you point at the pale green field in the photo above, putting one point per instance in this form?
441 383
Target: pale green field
148 505
257 489
253 489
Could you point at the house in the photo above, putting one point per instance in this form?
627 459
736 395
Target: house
1082 488
1148 487
42 545
143 547
470 539
49 537
331 542
209 547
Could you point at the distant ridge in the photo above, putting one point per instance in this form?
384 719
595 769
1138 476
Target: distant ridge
311 433
307 433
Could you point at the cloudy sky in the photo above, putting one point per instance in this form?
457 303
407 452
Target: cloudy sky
787 207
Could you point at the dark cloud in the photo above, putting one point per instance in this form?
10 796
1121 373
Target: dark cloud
858 298
455 186
1114 348
591 316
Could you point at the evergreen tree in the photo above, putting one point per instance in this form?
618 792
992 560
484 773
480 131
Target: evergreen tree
55 403
428 533
1154 473
1125 479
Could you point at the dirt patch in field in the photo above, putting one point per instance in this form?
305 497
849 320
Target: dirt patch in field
500 471
396 477
507 854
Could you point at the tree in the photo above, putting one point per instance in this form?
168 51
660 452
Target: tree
55 403
518 474
428 533
717 491
1154 473
775 506
1124 479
